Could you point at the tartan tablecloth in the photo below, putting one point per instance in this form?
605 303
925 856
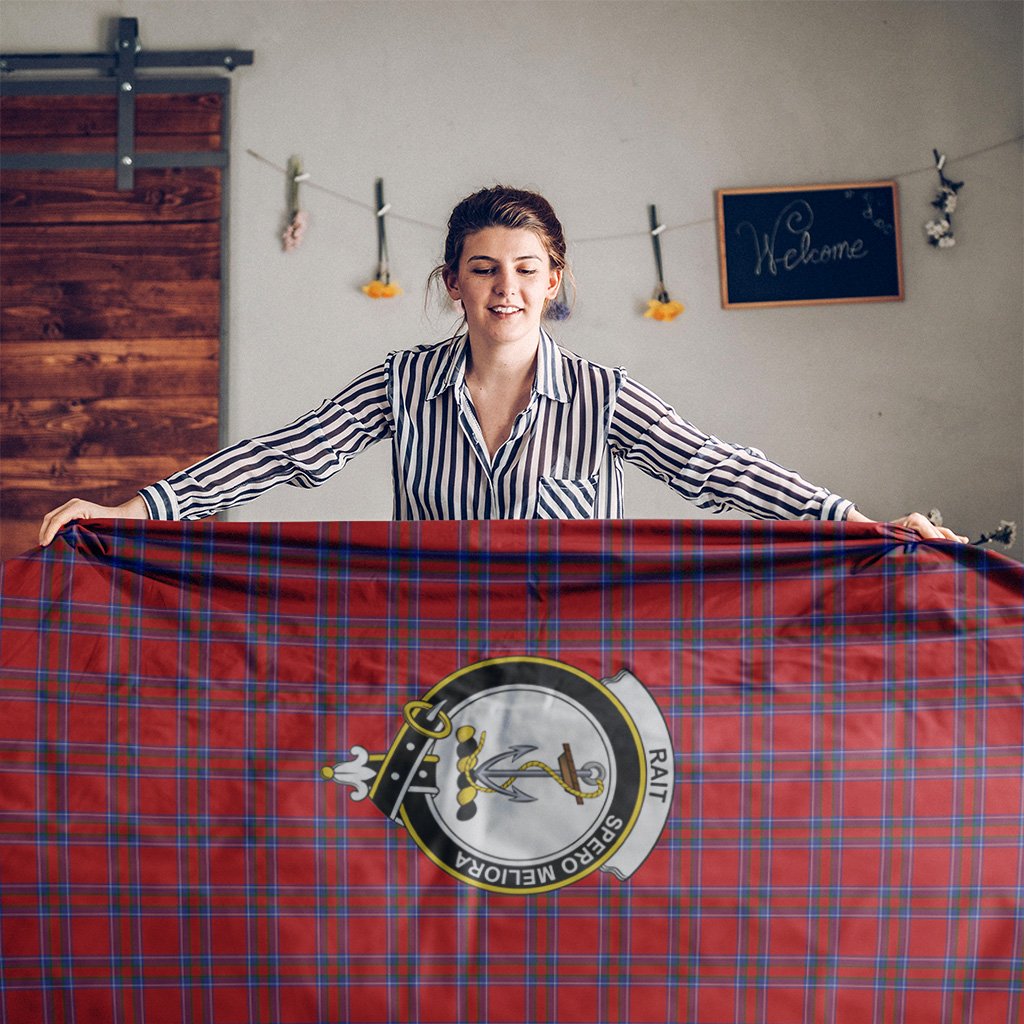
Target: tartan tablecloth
510 771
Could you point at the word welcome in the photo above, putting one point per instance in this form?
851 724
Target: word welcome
795 221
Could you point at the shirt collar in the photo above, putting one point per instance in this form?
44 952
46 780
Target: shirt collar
550 379
551 375
451 370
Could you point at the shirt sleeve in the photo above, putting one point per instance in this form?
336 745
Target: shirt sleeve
304 453
711 473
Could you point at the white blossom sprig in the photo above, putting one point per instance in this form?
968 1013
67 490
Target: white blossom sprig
940 230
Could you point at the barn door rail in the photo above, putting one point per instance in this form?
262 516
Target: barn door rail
121 67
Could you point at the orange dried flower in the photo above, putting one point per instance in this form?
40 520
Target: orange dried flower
657 310
380 290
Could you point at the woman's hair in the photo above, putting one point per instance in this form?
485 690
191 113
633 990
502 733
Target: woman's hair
500 207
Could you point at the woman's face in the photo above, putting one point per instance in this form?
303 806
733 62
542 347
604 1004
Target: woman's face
504 279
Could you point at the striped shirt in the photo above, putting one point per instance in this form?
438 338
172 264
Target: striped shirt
562 460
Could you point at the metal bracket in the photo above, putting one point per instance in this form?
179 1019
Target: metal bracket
128 46
123 65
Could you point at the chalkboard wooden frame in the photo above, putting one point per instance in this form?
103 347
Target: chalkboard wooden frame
769 256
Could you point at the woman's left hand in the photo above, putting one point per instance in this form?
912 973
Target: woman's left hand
914 521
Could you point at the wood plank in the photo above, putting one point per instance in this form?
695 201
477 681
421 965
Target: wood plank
61 428
33 486
118 309
108 144
98 252
155 114
110 369
54 197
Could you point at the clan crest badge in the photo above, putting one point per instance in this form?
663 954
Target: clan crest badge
522 775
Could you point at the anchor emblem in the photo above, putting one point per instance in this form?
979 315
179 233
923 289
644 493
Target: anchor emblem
497 776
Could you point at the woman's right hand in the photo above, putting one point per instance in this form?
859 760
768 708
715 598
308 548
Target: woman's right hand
77 508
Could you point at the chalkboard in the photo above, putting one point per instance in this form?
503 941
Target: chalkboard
813 244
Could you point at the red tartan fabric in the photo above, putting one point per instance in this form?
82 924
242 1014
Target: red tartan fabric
510 772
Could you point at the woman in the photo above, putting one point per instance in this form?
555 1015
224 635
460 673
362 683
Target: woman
498 422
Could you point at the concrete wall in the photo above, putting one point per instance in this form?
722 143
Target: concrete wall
606 107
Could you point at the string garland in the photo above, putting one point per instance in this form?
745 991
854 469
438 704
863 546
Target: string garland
311 183
660 308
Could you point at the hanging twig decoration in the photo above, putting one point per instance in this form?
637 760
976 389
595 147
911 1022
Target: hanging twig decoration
940 232
298 219
381 287
661 307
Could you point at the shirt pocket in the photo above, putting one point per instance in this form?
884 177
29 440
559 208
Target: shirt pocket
566 497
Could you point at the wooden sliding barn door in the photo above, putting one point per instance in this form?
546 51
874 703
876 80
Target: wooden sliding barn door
110 307
112 213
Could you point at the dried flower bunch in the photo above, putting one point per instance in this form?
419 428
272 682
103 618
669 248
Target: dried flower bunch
381 287
559 308
298 218
660 307
292 237
1005 533
940 231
